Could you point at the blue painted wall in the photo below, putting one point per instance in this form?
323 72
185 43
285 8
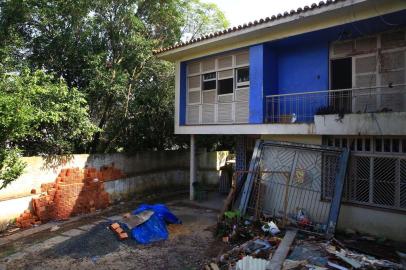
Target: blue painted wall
182 94
303 68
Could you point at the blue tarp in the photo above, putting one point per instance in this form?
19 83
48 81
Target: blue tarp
154 229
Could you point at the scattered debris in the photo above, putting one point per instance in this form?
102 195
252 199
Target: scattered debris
271 228
301 250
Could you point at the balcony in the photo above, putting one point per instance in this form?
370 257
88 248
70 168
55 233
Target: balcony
303 107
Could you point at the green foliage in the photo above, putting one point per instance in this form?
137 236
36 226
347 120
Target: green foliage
39 115
11 166
202 18
92 83
232 214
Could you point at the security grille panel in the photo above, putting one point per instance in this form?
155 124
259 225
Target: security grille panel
226 74
402 181
193 68
343 48
208 65
194 82
209 97
365 64
241 112
242 94
393 39
208 113
242 59
194 97
358 188
366 44
193 114
225 62
225 112
377 172
225 98
384 171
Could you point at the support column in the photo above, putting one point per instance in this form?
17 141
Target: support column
193 172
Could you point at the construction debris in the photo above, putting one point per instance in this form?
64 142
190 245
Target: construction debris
75 191
27 220
251 244
121 234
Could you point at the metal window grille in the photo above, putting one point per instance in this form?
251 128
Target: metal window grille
377 172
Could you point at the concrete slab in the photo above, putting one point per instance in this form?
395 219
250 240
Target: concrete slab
55 240
86 227
73 232
36 248
16 256
115 218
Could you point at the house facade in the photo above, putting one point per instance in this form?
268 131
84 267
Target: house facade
331 74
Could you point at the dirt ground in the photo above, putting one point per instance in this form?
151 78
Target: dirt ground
88 244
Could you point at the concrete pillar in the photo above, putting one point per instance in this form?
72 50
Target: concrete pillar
193 171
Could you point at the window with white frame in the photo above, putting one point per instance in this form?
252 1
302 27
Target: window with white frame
209 81
377 171
218 89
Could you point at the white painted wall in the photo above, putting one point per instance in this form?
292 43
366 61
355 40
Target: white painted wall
382 222
146 172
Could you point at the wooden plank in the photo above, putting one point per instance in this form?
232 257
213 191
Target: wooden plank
282 251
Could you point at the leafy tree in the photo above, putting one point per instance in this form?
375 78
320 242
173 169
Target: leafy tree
104 49
202 18
39 115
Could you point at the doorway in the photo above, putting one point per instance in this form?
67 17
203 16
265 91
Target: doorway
341 78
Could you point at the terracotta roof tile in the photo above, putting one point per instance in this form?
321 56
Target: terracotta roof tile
249 24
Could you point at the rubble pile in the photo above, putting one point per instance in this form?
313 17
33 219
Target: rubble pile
258 245
75 191
27 219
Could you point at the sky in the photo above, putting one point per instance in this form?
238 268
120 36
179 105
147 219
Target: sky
242 11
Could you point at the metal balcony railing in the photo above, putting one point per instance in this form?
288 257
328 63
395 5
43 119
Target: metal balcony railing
302 107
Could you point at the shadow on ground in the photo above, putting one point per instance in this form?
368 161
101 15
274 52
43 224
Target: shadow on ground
98 241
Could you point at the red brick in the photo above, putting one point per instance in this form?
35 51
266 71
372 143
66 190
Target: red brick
119 230
123 236
114 226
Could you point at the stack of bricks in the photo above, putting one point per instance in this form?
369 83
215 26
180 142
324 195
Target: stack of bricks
27 220
75 191
121 234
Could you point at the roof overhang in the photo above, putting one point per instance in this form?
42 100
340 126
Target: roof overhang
341 12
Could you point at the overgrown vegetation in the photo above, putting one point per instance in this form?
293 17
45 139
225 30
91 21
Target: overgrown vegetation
80 76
